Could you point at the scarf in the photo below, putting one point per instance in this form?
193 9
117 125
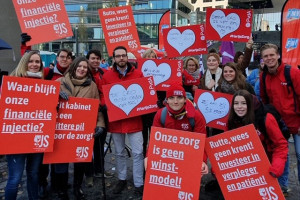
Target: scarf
195 74
176 114
227 87
34 74
75 85
208 77
60 69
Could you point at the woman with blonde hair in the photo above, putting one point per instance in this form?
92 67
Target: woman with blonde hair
211 76
191 75
149 53
30 66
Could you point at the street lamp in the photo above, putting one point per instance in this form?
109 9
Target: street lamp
76 40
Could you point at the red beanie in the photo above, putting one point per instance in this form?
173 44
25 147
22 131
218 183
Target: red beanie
175 90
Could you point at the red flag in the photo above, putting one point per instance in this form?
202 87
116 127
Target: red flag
290 29
164 22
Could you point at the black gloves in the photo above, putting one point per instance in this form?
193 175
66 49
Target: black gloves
63 95
99 131
25 38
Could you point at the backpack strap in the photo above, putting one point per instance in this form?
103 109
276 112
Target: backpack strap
264 75
192 122
287 75
163 116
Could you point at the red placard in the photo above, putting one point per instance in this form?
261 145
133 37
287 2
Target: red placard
290 33
164 71
75 126
43 20
27 115
241 165
130 98
228 24
185 40
174 164
119 28
215 107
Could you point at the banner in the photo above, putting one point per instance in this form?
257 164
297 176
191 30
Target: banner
27 115
75 126
174 164
164 22
227 51
185 40
228 24
43 20
290 29
214 106
130 98
241 165
119 28
164 71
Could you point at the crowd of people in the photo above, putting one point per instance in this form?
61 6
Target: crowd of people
83 77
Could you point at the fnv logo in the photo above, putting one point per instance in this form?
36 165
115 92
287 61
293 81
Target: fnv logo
185 195
267 193
178 93
41 141
291 43
82 152
293 14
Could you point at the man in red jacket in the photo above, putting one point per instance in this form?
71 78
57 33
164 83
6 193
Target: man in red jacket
132 127
278 93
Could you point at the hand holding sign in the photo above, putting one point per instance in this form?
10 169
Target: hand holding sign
126 99
224 24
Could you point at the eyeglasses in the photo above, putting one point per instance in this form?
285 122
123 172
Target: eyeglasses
119 56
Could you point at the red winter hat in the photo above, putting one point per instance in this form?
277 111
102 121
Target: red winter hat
175 90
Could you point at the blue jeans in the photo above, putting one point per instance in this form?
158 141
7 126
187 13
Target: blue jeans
16 165
284 179
297 149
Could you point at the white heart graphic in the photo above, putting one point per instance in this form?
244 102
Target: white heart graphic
224 25
124 99
212 109
181 41
160 73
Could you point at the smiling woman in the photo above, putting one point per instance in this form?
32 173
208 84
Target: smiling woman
232 80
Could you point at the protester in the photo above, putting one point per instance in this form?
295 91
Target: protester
244 112
284 98
212 74
63 61
191 76
132 127
232 80
243 60
179 110
30 66
253 78
77 82
94 57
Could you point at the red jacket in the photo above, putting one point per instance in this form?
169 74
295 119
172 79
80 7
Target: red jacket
275 145
98 80
281 98
182 124
129 125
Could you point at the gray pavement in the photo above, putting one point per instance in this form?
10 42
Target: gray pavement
95 192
